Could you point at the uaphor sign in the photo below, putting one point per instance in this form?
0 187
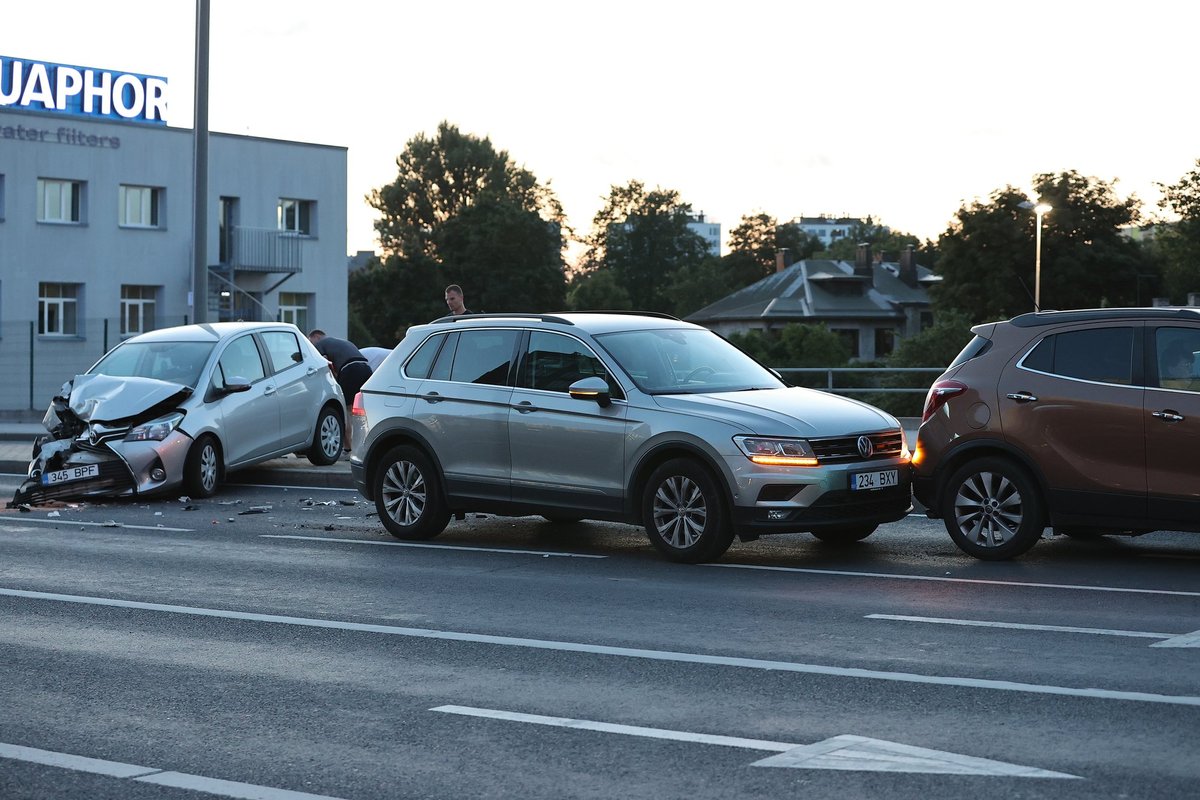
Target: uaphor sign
82 91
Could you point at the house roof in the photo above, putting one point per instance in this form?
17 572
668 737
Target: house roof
816 290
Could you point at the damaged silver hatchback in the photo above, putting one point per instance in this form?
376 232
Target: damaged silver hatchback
180 407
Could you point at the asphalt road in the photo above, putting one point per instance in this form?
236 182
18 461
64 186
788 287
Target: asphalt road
275 641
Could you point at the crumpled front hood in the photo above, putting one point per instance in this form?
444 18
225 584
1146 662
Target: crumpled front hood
104 398
794 411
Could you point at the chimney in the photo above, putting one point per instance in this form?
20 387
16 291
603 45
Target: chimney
908 267
783 259
863 265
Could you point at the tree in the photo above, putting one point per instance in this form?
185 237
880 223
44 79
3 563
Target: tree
598 291
881 238
643 238
693 289
1178 244
754 243
459 211
796 345
987 254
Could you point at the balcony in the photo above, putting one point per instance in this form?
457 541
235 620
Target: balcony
262 250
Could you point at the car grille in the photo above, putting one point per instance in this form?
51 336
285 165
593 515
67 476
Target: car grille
833 506
842 449
114 478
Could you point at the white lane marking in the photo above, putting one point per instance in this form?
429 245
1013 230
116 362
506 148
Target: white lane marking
1022 626
313 489
941 579
69 521
180 780
426 545
845 752
1182 640
625 652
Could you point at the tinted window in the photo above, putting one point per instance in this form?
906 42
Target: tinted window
976 347
1177 353
483 357
445 358
1104 355
422 361
283 348
241 360
553 362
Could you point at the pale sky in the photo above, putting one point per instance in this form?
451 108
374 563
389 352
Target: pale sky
901 111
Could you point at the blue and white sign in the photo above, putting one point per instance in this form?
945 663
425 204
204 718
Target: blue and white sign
82 91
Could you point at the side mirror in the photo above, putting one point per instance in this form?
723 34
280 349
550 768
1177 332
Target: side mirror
235 385
592 388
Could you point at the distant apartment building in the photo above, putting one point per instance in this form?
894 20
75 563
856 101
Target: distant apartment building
826 228
709 231
96 216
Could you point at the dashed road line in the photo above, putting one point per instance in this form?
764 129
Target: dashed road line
135 772
426 545
943 579
628 652
68 521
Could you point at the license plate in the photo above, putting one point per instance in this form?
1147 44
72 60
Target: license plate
72 474
880 479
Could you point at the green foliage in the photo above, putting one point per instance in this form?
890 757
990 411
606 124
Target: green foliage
643 238
693 289
459 211
1178 245
598 291
754 243
935 346
987 255
881 238
795 346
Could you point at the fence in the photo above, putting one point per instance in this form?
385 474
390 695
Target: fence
35 366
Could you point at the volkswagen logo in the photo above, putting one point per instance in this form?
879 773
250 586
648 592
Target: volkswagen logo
865 448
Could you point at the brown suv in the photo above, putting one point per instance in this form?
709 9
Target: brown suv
1087 421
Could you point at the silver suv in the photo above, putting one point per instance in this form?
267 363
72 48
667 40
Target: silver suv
632 418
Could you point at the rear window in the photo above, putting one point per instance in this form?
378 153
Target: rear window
976 347
1104 355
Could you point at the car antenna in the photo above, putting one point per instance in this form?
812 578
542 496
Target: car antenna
1029 293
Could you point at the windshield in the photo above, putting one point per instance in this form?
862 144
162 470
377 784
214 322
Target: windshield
686 361
177 362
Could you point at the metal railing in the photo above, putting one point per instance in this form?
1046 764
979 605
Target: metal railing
266 250
832 385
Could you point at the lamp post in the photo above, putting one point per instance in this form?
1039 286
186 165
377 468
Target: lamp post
1040 210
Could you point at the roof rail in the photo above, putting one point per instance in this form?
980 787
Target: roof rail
1035 319
452 318
658 314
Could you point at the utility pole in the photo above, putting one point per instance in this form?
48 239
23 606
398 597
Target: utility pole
200 170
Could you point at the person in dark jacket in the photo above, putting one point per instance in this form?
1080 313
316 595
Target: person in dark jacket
350 366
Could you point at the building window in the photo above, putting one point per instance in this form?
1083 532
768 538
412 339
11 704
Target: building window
58 309
59 201
850 337
885 342
138 206
137 309
293 308
926 320
296 216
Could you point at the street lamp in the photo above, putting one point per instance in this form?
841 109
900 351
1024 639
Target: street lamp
1041 209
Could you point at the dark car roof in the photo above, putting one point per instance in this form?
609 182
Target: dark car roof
1036 319
592 322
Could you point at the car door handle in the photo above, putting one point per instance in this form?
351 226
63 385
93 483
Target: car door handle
311 370
1168 415
269 389
525 407
1022 397
432 397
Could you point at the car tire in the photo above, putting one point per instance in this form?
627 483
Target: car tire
408 496
202 469
328 438
684 513
846 534
992 509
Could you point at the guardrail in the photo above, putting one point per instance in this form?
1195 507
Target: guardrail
831 384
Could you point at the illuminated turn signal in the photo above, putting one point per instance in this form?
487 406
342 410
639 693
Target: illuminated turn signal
785 461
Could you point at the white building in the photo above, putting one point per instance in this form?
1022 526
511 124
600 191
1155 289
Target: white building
96 236
828 229
709 231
